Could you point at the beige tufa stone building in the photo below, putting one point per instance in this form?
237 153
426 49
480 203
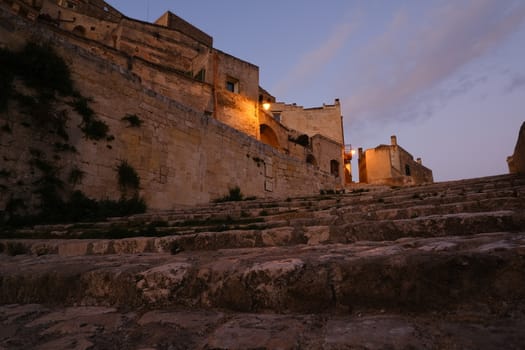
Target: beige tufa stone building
206 123
391 165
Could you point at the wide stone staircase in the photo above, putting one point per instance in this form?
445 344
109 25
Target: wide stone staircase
439 266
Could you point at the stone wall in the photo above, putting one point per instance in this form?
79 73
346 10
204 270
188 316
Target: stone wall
412 171
21 8
516 162
325 120
174 59
182 155
328 156
318 151
162 46
238 108
98 28
375 165
273 133
173 21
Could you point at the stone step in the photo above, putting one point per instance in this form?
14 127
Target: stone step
418 209
397 201
237 209
37 326
278 236
324 229
427 226
328 210
410 274
385 198
153 224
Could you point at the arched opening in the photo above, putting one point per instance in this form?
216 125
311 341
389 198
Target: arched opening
80 31
268 136
334 167
310 159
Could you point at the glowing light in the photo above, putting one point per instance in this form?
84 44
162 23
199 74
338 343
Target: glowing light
352 152
266 106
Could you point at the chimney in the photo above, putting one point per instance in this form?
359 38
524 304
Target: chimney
419 161
393 140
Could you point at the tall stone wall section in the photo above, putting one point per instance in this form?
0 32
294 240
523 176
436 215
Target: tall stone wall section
516 162
183 156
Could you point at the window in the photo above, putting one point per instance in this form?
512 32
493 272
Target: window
407 170
201 75
277 116
334 167
232 85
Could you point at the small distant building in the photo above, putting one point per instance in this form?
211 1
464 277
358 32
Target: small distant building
391 165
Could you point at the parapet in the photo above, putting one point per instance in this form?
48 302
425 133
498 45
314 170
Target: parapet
172 21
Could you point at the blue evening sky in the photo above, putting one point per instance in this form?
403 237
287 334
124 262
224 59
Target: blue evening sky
446 76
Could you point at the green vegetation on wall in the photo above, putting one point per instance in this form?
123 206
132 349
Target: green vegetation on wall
234 195
92 127
42 69
133 120
44 83
128 179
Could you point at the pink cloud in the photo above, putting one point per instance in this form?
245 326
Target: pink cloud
312 62
414 55
517 82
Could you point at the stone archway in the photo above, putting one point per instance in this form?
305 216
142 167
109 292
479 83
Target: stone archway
80 31
268 136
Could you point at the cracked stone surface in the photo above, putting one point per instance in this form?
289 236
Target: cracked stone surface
39 327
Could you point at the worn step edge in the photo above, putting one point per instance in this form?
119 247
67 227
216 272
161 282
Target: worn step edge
412 275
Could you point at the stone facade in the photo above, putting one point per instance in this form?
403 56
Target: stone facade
202 117
320 128
325 120
392 165
516 162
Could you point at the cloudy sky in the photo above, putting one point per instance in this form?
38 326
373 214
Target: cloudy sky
446 76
